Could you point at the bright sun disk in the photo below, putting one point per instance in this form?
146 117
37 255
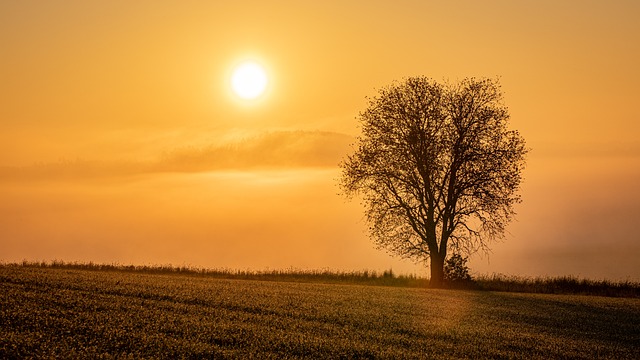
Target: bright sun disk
249 80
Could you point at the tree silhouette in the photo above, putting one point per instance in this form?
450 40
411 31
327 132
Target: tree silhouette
436 168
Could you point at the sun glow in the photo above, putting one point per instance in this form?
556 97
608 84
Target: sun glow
249 80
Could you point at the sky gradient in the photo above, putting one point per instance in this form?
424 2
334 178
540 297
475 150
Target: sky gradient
121 141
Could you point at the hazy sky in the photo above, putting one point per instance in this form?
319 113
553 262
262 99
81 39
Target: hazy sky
121 140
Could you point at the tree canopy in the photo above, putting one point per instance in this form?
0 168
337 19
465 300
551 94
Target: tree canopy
436 167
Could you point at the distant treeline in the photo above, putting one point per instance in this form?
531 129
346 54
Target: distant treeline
496 282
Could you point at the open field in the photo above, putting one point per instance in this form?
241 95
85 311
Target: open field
73 313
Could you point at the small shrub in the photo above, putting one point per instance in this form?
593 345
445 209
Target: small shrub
456 271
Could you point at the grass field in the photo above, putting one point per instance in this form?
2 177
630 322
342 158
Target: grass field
73 313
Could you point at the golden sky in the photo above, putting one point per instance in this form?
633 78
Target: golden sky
121 140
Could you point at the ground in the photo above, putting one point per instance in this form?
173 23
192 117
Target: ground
70 313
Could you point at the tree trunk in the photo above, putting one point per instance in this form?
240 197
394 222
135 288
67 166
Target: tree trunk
437 270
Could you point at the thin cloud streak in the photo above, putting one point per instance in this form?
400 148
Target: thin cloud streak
270 150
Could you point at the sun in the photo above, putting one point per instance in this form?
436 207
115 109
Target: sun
249 80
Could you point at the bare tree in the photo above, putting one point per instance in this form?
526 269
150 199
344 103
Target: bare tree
436 168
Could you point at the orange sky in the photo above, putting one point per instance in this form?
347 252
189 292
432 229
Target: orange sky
120 140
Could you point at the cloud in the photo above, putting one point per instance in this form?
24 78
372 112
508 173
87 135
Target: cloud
270 150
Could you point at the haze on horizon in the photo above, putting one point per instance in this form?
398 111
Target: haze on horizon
121 140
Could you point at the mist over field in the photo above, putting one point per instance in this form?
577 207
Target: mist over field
574 220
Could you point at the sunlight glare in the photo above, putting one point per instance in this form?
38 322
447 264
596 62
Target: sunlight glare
249 80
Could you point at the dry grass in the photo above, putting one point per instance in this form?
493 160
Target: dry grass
540 285
364 277
558 285
74 313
